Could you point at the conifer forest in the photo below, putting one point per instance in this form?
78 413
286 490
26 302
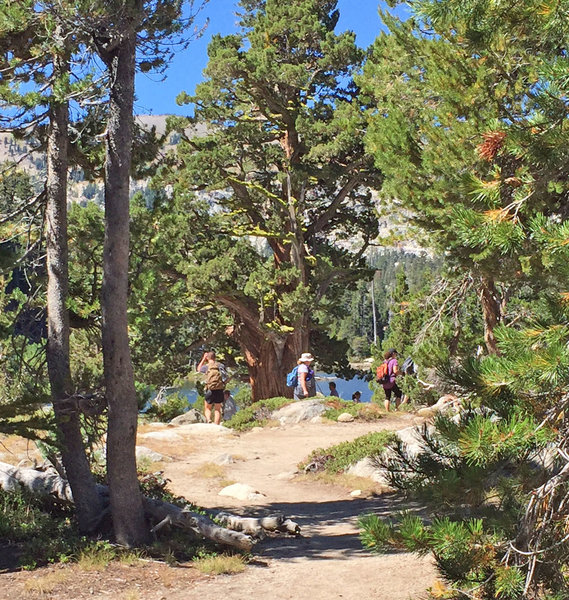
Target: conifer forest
317 197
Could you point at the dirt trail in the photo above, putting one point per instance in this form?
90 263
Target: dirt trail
326 562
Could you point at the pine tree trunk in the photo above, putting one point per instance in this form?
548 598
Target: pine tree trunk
86 497
269 356
269 360
125 498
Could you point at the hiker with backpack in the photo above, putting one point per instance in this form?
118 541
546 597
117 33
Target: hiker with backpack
305 384
386 374
215 380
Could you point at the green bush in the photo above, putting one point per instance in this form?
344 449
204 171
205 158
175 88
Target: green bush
176 404
243 396
257 414
143 395
43 531
362 411
340 457
40 531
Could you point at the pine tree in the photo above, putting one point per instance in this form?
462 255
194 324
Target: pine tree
283 145
482 136
36 50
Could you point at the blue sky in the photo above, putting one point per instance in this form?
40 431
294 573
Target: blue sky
157 96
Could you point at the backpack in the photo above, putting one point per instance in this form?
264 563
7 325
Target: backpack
292 377
408 366
382 373
213 378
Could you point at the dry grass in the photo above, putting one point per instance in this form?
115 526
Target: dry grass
17 448
97 558
45 584
225 482
221 564
94 560
210 470
132 594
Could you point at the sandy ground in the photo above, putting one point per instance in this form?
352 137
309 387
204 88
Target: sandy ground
326 562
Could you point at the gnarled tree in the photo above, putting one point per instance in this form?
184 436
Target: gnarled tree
282 143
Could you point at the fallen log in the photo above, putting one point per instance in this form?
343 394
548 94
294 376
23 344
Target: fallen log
170 514
232 530
46 482
258 526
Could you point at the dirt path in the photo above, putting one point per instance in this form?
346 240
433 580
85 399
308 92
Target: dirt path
326 562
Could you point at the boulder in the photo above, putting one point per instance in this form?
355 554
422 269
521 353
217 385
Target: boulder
426 411
191 416
203 429
242 491
224 459
365 468
163 436
144 452
447 403
302 410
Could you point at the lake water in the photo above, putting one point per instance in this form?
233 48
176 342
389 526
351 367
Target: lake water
345 387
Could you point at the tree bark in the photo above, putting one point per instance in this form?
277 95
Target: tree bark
74 458
269 359
490 311
269 355
125 498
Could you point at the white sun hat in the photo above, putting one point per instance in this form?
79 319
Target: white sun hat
306 357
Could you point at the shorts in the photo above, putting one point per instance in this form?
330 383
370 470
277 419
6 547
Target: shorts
214 397
395 390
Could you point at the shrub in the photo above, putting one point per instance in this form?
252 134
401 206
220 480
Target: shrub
43 531
176 404
243 396
362 411
257 414
340 457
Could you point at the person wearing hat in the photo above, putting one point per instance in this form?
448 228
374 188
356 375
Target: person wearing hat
306 386
391 388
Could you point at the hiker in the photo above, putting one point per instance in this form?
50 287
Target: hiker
229 406
333 390
215 379
390 386
357 396
306 385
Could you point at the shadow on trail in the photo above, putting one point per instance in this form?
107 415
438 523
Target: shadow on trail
329 530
